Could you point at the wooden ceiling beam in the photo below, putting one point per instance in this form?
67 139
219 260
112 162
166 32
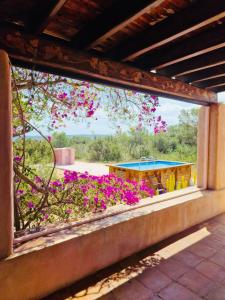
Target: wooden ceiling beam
43 14
53 56
200 14
203 75
110 21
207 41
211 82
218 89
201 62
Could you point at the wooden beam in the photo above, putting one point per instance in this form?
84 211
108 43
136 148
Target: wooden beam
54 56
201 62
218 89
211 82
43 14
6 159
203 75
207 41
116 17
172 28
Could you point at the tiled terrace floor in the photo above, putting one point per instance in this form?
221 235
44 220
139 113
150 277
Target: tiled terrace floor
189 266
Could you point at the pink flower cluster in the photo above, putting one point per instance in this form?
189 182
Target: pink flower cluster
99 192
76 194
78 102
140 109
160 125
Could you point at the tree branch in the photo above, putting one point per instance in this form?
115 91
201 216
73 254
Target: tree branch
28 84
28 181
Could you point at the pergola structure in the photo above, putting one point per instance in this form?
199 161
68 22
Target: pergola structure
172 48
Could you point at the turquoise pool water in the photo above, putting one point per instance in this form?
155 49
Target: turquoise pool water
150 165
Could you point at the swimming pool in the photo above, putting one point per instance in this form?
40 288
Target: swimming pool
168 175
150 165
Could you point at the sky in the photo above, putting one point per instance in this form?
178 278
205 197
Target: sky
169 110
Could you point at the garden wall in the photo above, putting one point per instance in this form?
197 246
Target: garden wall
68 256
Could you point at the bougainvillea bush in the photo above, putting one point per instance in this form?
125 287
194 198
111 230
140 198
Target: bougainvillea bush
74 196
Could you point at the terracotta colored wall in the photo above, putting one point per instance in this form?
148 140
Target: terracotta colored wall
64 156
203 147
6 158
36 274
216 170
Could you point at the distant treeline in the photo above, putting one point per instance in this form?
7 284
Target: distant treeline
90 136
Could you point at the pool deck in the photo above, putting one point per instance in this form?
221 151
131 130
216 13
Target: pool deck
97 169
188 266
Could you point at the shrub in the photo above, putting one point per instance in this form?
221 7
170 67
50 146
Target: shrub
74 196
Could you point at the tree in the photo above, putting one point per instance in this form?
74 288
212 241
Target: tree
188 124
104 149
42 95
189 117
60 140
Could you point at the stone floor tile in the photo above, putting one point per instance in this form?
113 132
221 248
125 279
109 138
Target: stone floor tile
102 287
219 236
213 242
202 250
109 296
173 268
135 267
176 291
216 226
132 290
211 270
218 293
188 258
221 225
154 279
196 282
219 258
179 245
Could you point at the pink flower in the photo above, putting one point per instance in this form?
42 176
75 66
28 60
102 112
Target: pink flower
96 200
62 96
17 159
38 179
68 211
90 113
156 130
86 200
20 192
52 190
56 183
103 205
46 216
70 176
30 204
